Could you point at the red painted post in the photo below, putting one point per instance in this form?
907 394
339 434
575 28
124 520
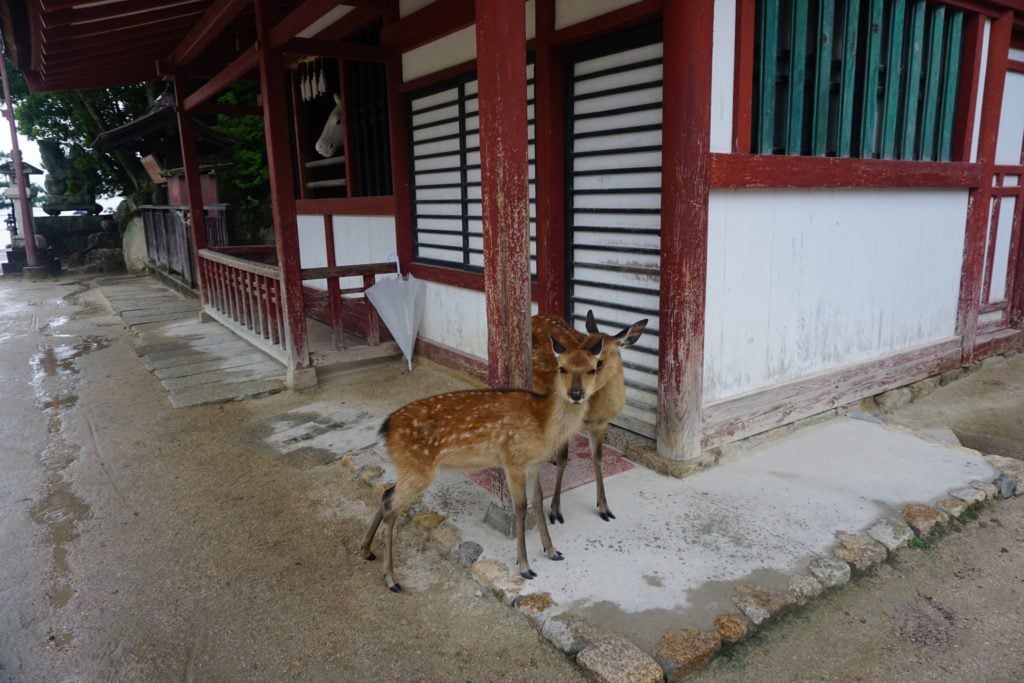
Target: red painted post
282 192
501 69
190 163
549 91
685 180
978 205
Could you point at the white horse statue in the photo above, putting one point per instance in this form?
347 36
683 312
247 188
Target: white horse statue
332 136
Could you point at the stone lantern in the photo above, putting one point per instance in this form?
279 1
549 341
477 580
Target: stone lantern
16 258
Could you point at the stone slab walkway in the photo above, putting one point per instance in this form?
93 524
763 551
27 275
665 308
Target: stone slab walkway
195 362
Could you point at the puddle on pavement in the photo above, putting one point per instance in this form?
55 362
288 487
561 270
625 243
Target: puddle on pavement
59 510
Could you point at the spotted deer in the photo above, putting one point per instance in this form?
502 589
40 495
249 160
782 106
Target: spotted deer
609 396
513 429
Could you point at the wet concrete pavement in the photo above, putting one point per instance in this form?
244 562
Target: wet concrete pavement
142 542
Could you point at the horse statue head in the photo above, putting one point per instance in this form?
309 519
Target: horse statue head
331 137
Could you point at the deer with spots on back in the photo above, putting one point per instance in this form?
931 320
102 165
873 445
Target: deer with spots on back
607 402
516 430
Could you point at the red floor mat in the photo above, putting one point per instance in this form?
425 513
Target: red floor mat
579 471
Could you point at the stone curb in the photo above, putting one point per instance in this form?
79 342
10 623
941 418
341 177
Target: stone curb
613 659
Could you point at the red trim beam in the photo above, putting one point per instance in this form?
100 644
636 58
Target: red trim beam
781 171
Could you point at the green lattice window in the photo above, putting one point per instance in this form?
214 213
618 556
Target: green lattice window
856 78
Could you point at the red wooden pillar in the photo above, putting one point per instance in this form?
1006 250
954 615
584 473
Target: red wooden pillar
501 69
282 192
549 109
685 152
978 213
193 186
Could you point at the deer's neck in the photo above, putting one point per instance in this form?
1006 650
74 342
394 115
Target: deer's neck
564 418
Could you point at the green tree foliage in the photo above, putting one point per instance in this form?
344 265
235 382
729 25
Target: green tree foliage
75 117
245 182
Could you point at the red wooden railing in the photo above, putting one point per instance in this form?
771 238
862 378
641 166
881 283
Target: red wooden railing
245 296
346 308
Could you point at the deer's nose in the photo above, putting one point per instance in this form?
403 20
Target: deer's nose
576 394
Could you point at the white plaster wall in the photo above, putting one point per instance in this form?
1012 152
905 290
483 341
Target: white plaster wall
569 12
357 239
723 62
455 48
455 317
981 80
804 281
1011 120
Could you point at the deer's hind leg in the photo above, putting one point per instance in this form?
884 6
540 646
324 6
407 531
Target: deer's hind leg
596 454
394 501
364 548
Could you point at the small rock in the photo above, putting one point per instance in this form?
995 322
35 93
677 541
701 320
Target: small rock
865 417
1011 467
445 536
895 398
1006 485
507 588
923 518
534 605
954 507
617 660
891 532
760 605
428 520
829 571
988 488
688 650
731 628
467 552
969 495
486 571
859 550
804 588
941 435
350 460
369 474
569 633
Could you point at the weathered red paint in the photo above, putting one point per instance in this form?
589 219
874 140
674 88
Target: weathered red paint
736 418
505 207
549 143
742 120
439 76
978 204
781 171
685 183
400 156
384 205
29 235
967 91
206 30
245 63
193 184
452 358
279 162
990 250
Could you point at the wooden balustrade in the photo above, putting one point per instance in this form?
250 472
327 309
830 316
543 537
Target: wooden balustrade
245 296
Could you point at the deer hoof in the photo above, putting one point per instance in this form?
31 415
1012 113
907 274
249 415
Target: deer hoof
395 588
557 556
369 557
607 516
556 517
528 574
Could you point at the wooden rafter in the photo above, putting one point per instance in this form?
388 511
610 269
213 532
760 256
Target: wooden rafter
231 73
103 14
206 30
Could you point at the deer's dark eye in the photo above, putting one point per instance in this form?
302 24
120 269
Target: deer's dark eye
592 372
562 370
600 364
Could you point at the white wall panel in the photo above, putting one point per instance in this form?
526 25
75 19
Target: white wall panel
357 239
569 12
1001 256
456 318
801 281
1011 121
723 62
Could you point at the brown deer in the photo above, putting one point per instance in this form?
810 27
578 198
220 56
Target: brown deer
609 396
512 429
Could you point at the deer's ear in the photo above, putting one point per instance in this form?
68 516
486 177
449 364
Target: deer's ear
591 323
557 346
632 333
597 347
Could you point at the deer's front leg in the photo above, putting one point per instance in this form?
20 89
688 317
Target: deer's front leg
517 488
542 526
556 498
